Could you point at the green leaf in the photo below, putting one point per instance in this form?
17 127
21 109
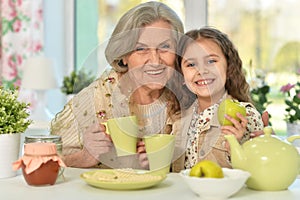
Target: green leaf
5 26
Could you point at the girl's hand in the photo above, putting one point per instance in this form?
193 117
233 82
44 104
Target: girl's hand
238 129
142 155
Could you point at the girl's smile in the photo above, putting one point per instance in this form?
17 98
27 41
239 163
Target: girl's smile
204 82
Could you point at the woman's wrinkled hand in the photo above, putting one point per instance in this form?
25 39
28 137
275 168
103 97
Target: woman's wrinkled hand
96 141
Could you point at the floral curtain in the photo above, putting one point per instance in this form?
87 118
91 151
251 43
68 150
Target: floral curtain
21 36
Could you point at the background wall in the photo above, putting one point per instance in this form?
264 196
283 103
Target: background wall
55 48
86 24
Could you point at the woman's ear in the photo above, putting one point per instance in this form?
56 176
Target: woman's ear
121 63
125 61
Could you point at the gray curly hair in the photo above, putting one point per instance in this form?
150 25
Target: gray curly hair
126 32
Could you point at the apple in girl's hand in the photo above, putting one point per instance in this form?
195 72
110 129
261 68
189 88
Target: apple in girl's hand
230 107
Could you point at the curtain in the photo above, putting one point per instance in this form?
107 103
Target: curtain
21 37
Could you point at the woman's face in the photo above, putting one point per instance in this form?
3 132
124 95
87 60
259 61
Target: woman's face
152 61
204 68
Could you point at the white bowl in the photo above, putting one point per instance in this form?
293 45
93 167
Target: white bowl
217 188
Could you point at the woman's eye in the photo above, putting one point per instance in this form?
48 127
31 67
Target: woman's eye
166 46
140 49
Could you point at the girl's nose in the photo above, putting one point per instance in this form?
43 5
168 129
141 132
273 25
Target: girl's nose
202 71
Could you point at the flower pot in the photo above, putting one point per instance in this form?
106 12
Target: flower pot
293 129
9 152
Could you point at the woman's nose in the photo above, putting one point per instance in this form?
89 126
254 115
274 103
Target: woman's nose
154 56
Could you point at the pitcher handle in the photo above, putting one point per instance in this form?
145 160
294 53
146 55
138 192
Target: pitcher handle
292 138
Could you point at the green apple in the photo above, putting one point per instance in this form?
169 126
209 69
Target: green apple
207 169
230 107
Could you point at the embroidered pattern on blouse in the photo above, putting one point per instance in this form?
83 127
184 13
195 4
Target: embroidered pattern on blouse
199 124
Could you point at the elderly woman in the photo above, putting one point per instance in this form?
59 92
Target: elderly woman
141 82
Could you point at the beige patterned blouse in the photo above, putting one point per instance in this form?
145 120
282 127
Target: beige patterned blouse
101 100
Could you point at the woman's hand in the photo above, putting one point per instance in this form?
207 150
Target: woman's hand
96 141
238 129
142 155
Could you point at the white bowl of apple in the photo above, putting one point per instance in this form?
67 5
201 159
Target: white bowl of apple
210 185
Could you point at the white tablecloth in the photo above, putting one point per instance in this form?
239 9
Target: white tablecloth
74 188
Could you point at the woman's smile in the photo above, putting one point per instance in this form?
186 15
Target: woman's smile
155 72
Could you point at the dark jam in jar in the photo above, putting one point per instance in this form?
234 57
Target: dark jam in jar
46 174
47 139
40 163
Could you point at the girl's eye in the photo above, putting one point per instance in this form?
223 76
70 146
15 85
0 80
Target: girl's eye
191 65
211 61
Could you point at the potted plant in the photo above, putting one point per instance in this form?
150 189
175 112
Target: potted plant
292 101
14 120
259 89
75 82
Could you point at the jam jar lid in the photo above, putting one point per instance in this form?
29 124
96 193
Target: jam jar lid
43 138
42 149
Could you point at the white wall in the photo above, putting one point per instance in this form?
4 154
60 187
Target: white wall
55 48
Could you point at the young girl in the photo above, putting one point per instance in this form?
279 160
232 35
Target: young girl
212 70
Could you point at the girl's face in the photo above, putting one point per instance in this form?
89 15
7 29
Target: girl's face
152 62
204 68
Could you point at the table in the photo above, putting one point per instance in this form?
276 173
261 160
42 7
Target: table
74 188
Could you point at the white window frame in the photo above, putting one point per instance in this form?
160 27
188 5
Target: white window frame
195 14
69 35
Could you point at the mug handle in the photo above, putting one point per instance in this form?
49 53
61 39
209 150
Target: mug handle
107 129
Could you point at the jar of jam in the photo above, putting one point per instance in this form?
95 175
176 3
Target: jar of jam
40 163
46 139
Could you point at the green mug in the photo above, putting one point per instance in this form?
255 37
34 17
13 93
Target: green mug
160 149
123 132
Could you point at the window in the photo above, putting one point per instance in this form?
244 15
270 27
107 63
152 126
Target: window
265 32
95 26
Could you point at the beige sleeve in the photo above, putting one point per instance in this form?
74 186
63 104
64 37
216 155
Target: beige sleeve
78 114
